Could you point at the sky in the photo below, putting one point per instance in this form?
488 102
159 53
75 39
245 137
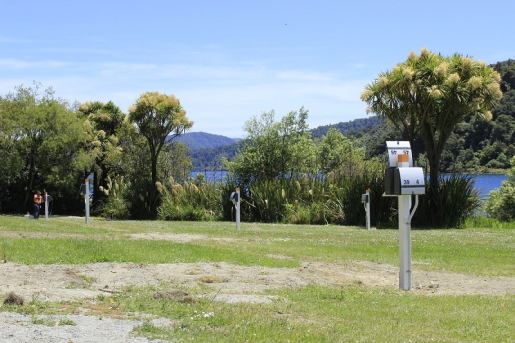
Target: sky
229 61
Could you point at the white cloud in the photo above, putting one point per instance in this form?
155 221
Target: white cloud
218 98
11 63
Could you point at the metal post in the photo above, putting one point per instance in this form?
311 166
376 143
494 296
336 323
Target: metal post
367 209
404 242
86 200
238 209
46 205
404 233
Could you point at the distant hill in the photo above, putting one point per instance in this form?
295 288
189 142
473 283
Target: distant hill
203 140
211 158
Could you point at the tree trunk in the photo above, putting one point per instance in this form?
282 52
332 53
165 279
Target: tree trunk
153 192
96 193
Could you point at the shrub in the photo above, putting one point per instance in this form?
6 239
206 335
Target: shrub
500 204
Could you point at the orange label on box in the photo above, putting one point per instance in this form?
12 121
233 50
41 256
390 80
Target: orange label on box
402 158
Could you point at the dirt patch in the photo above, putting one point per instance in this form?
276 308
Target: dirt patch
227 282
218 281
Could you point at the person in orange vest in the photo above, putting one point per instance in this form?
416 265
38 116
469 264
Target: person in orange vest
37 204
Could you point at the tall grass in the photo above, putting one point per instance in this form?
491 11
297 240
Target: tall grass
116 205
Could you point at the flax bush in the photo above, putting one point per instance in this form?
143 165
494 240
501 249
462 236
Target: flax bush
456 200
317 199
190 201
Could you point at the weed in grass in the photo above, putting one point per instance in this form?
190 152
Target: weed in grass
66 322
176 295
47 321
37 320
151 331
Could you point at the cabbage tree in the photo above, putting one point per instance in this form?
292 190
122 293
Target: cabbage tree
159 118
429 94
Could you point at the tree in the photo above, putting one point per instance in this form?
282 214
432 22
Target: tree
429 95
337 152
160 118
274 150
42 138
101 123
176 162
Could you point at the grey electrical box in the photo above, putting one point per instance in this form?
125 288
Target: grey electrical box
365 198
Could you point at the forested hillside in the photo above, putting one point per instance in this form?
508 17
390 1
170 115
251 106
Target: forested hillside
346 127
211 158
203 140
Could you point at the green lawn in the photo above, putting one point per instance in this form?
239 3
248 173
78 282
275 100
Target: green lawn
309 314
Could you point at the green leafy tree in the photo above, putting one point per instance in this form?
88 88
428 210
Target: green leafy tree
338 153
42 137
159 118
134 165
175 162
429 95
274 150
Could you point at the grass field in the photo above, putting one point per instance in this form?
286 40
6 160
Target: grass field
312 313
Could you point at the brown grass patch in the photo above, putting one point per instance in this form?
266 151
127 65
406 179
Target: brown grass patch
13 299
211 279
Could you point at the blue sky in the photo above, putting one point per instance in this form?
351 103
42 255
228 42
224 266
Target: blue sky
230 60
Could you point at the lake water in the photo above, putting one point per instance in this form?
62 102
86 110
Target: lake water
484 182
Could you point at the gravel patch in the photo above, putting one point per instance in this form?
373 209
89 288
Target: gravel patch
18 328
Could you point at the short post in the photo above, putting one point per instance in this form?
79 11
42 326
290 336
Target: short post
367 208
238 209
86 200
365 199
46 205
